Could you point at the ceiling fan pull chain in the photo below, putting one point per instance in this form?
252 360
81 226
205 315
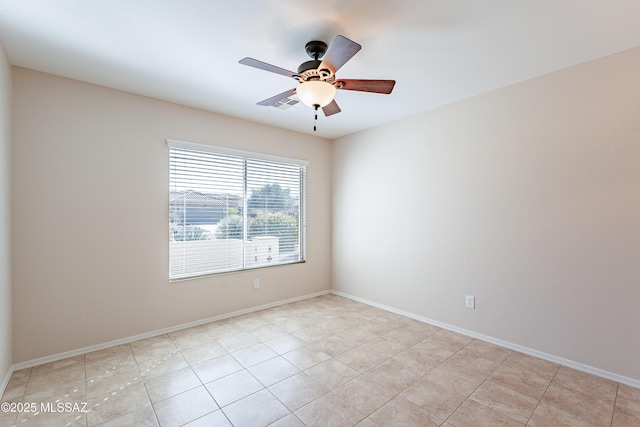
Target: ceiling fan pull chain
315 120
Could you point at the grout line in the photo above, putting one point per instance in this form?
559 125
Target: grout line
615 402
543 393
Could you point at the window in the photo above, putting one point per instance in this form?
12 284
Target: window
231 210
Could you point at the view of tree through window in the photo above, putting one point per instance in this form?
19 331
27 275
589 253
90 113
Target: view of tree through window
230 211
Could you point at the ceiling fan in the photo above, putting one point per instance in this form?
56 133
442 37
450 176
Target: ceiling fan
317 78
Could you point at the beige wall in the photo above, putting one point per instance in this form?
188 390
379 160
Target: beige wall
5 216
527 197
90 185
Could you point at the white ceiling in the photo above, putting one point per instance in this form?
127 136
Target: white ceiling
187 51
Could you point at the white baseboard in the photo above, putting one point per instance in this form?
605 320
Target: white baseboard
555 359
551 358
5 380
79 351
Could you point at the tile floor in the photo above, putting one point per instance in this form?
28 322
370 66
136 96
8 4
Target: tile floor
325 361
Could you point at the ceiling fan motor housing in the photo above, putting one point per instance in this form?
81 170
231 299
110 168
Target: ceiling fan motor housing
309 65
310 70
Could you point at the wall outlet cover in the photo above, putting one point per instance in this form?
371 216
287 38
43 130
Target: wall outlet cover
470 301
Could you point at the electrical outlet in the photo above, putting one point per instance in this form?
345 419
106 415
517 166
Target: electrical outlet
470 301
256 283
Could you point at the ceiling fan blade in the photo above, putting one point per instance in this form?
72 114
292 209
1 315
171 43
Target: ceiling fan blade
341 50
270 101
266 67
331 108
375 86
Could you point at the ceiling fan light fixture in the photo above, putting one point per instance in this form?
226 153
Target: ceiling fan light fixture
316 92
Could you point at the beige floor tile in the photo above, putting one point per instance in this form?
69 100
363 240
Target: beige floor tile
106 365
382 346
522 380
366 423
625 418
603 388
162 365
20 376
153 348
311 334
142 417
306 357
419 326
473 362
16 386
112 380
273 371
381 326
459 381
116 351
336 325
329 410
333 345
233 387
67 419
45 379
362 366
586 406
437 348
331 374
409 335
184 407
357 335
364 394
487 350
190 337
474 414
117 403
238 341
172 383
547 415
222 329
268 332
401 412
393 375
294 324
360 359
214 419
507 401
436 398
628 398
69 363
71 392
254 354
219 367
418 361
7 418
249 322
289 421
298 390
274 313
453 337
542 368
260 408
285 343
203 352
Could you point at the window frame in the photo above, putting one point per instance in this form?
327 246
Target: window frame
247 156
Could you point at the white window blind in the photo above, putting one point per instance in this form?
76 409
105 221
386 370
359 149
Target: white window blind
231 210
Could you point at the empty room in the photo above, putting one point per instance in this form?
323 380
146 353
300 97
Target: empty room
371 213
